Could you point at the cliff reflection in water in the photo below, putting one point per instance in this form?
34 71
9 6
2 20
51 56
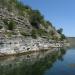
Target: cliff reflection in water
31 64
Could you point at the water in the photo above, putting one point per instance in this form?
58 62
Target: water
52 62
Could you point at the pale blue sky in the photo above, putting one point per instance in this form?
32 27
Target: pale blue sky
60 12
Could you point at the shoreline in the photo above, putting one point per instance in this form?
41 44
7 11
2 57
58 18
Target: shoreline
19 46
29 52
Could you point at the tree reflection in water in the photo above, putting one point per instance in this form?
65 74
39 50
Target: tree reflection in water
31 64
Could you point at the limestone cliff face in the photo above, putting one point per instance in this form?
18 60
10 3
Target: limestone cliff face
23 29
14 13
21 22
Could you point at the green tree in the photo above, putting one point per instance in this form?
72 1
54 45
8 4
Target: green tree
35 18
48 22
60 31
62 37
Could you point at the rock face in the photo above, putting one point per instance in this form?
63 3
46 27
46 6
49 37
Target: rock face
22 18
16 45
19 25
22 22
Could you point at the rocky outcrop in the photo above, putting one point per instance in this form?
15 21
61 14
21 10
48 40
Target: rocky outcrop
22 22
21 16
19 44
22 29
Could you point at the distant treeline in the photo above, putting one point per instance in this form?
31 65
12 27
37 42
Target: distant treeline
72 41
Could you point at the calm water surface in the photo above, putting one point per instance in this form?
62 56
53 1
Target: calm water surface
58 62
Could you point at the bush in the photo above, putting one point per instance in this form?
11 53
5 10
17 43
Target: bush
1 27
62 37
52 33
35 24
5 21
60 31
24 34
42 32
10 25
9 34
35 16
49 23
33 34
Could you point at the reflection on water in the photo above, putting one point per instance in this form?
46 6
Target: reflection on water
30 64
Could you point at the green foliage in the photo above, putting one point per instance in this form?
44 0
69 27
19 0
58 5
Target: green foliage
49 23
55 38
60 31
44 23
35 17
35 24
41 32
62 37
24 34
52 33
1 27
3 2
10 25
20 5
9 34
5 21
27 7
33 34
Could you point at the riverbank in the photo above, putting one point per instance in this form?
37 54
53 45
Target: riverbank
20 45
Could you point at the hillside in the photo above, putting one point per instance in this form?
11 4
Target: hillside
23 29
16 18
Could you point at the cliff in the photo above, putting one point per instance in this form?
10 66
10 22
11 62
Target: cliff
16 18
23 29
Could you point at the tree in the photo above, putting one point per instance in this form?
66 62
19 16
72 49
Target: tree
36 16
48 22
62 37
60 31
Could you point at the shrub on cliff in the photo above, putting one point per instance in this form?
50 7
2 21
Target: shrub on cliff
60 31
10 25
35 18
62 37
1 27
33 34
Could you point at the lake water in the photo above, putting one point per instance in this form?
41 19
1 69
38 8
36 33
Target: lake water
58 62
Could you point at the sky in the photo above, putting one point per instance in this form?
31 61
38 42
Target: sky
61 13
